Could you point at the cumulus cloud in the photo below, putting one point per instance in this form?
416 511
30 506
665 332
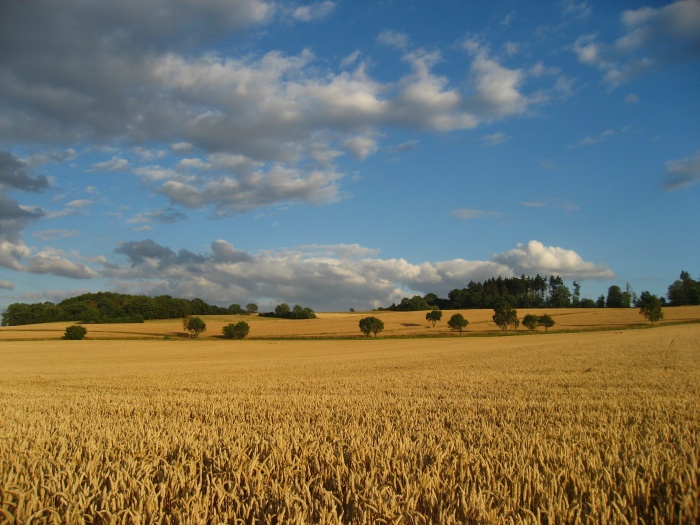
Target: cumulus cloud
498 88
326 277
682 173
53 262
362 146
652 37
17 256
314 11
148 75
535 257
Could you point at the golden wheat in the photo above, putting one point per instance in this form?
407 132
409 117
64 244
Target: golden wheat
571 428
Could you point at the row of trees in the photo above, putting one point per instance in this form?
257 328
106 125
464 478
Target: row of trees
540 292
195 326
520 292
505 316
282 311
108 307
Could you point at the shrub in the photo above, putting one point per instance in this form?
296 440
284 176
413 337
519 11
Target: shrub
371 325
236 331
75 332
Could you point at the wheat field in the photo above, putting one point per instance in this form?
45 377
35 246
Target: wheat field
598 427
345 324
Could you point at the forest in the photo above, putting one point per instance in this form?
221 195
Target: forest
539 291
108 307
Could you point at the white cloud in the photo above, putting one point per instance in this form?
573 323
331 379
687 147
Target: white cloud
497 87
288 117
256 189
7 285
535 257
314 11
327 277
495 138
112 165
577 9
19 257
73 207
361 146
393 39
653 37
682 173
52 262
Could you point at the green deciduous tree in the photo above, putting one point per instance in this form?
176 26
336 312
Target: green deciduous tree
530 321
251 308
650 307
196 326
75 332
546 321
371 325
457 322
505 315
236 331
433 316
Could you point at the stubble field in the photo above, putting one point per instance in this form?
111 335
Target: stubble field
593 427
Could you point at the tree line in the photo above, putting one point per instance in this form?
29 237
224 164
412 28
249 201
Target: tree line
542 292
109 307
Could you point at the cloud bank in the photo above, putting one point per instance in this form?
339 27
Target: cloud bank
325 277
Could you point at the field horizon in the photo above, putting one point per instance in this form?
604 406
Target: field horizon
345 324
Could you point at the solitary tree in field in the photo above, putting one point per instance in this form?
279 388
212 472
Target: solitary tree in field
251 308
75 332
650 307
433 316
505 315
371 325
546 321
236 331
457 322
530 321
196 326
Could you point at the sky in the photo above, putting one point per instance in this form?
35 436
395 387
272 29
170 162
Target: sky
345 153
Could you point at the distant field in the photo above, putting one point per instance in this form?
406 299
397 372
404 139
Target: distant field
595 427
339 324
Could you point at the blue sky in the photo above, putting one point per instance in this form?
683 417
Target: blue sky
341 154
